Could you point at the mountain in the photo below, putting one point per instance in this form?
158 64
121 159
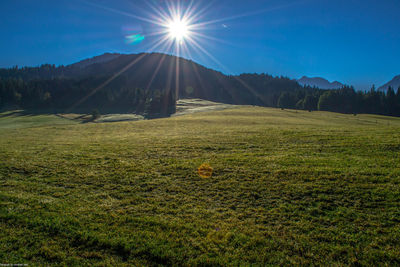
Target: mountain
97 59
156 71
394 83
150 83
128 82
319 83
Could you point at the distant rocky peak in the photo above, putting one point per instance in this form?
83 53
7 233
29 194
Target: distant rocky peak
319 82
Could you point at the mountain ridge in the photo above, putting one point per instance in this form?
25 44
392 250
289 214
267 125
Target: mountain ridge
394 83
105 57
319 82
116 82
150 83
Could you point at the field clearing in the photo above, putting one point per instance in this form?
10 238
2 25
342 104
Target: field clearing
184 107
195 105
288 188
20 119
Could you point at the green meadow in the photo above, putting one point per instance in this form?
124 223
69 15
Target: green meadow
288 188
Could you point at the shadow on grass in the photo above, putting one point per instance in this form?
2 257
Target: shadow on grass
13 113
83 117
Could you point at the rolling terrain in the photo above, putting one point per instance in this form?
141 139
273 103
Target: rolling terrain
288 188
394 83
319 82
149 84
119 82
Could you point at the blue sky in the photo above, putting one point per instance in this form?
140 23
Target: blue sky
353 41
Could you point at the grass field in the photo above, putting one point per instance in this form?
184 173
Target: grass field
288 188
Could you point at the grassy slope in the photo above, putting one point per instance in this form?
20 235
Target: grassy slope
288 188
19 119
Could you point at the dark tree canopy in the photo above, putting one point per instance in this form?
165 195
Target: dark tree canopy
98 84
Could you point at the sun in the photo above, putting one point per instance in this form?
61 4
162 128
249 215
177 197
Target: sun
178 29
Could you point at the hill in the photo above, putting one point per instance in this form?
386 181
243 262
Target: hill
394 83
125 83
149 85
319 83
288 188
97 59
164 72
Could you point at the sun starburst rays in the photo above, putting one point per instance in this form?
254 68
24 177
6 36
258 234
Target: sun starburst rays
178 28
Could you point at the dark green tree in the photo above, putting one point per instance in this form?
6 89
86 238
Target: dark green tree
286 100
95 114
310 103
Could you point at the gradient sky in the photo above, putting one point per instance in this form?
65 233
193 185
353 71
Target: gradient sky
353 41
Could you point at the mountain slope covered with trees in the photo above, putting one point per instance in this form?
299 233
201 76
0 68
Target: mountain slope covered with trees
150 84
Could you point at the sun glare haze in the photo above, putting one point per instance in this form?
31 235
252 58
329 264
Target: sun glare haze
178 29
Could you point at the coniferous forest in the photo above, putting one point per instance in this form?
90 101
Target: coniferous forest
151 87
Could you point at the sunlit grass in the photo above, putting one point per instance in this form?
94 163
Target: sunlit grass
288 187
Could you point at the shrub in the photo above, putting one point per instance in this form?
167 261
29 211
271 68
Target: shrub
95 114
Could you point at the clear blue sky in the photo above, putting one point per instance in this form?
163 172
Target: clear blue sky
353 41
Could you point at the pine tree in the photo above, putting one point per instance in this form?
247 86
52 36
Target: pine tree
390 101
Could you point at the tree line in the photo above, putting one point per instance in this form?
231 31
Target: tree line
68 95
344 100
142 90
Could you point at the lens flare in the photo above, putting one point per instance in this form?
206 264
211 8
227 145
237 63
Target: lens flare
205 170
180 23
134 38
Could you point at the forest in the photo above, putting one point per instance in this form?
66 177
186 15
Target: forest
61 95
344 100
141 90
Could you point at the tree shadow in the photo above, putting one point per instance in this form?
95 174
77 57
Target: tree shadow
14 113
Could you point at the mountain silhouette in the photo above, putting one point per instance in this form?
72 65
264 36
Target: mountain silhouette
97 59
156 71
150 83
394 83
319 83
